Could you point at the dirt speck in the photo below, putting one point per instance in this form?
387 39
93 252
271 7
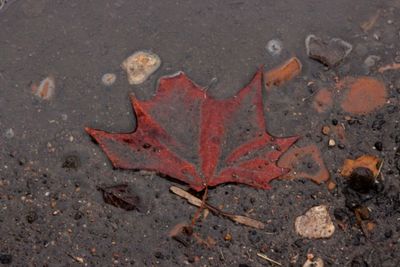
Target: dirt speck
323 100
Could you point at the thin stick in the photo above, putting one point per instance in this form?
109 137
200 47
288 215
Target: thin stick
263 256
380 168
201 208
198 202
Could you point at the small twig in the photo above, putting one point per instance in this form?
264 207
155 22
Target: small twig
201 208
212 83
309 96
265 257
380 168
198 202
393 66
222 254
76 258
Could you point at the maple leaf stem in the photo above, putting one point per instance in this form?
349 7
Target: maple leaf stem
198 202
203 205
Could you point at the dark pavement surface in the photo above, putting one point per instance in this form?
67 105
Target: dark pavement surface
51 215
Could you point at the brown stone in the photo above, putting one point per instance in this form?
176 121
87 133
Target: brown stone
331 186
325 130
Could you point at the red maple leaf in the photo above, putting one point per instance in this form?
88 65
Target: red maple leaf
184 133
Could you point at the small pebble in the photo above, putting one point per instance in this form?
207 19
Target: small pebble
5 258
71 162
315 223
228 237
361 180
140 65
371 61
9 133
378 146
331 186
331 143
274 47
317 262
31 217
325 130
108 79
363 213
46 89
388 233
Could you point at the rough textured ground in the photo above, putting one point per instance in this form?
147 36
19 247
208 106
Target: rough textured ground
52 215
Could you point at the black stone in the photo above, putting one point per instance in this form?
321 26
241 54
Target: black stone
71 162
254 237
361 180
5 258
31 217
388 233
379 146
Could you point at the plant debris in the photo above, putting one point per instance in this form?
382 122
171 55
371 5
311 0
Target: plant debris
208 142
108 79
393 66
354 95
198 202
283 73
370 23
304 162
372 163
313 261
362 95
362 173
265 257
120 196
180 232
184 233
77 258
329 53
46 89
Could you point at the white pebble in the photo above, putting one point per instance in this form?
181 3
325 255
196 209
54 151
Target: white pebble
140 65
331 143
108 79
315 223
9 133
274 47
